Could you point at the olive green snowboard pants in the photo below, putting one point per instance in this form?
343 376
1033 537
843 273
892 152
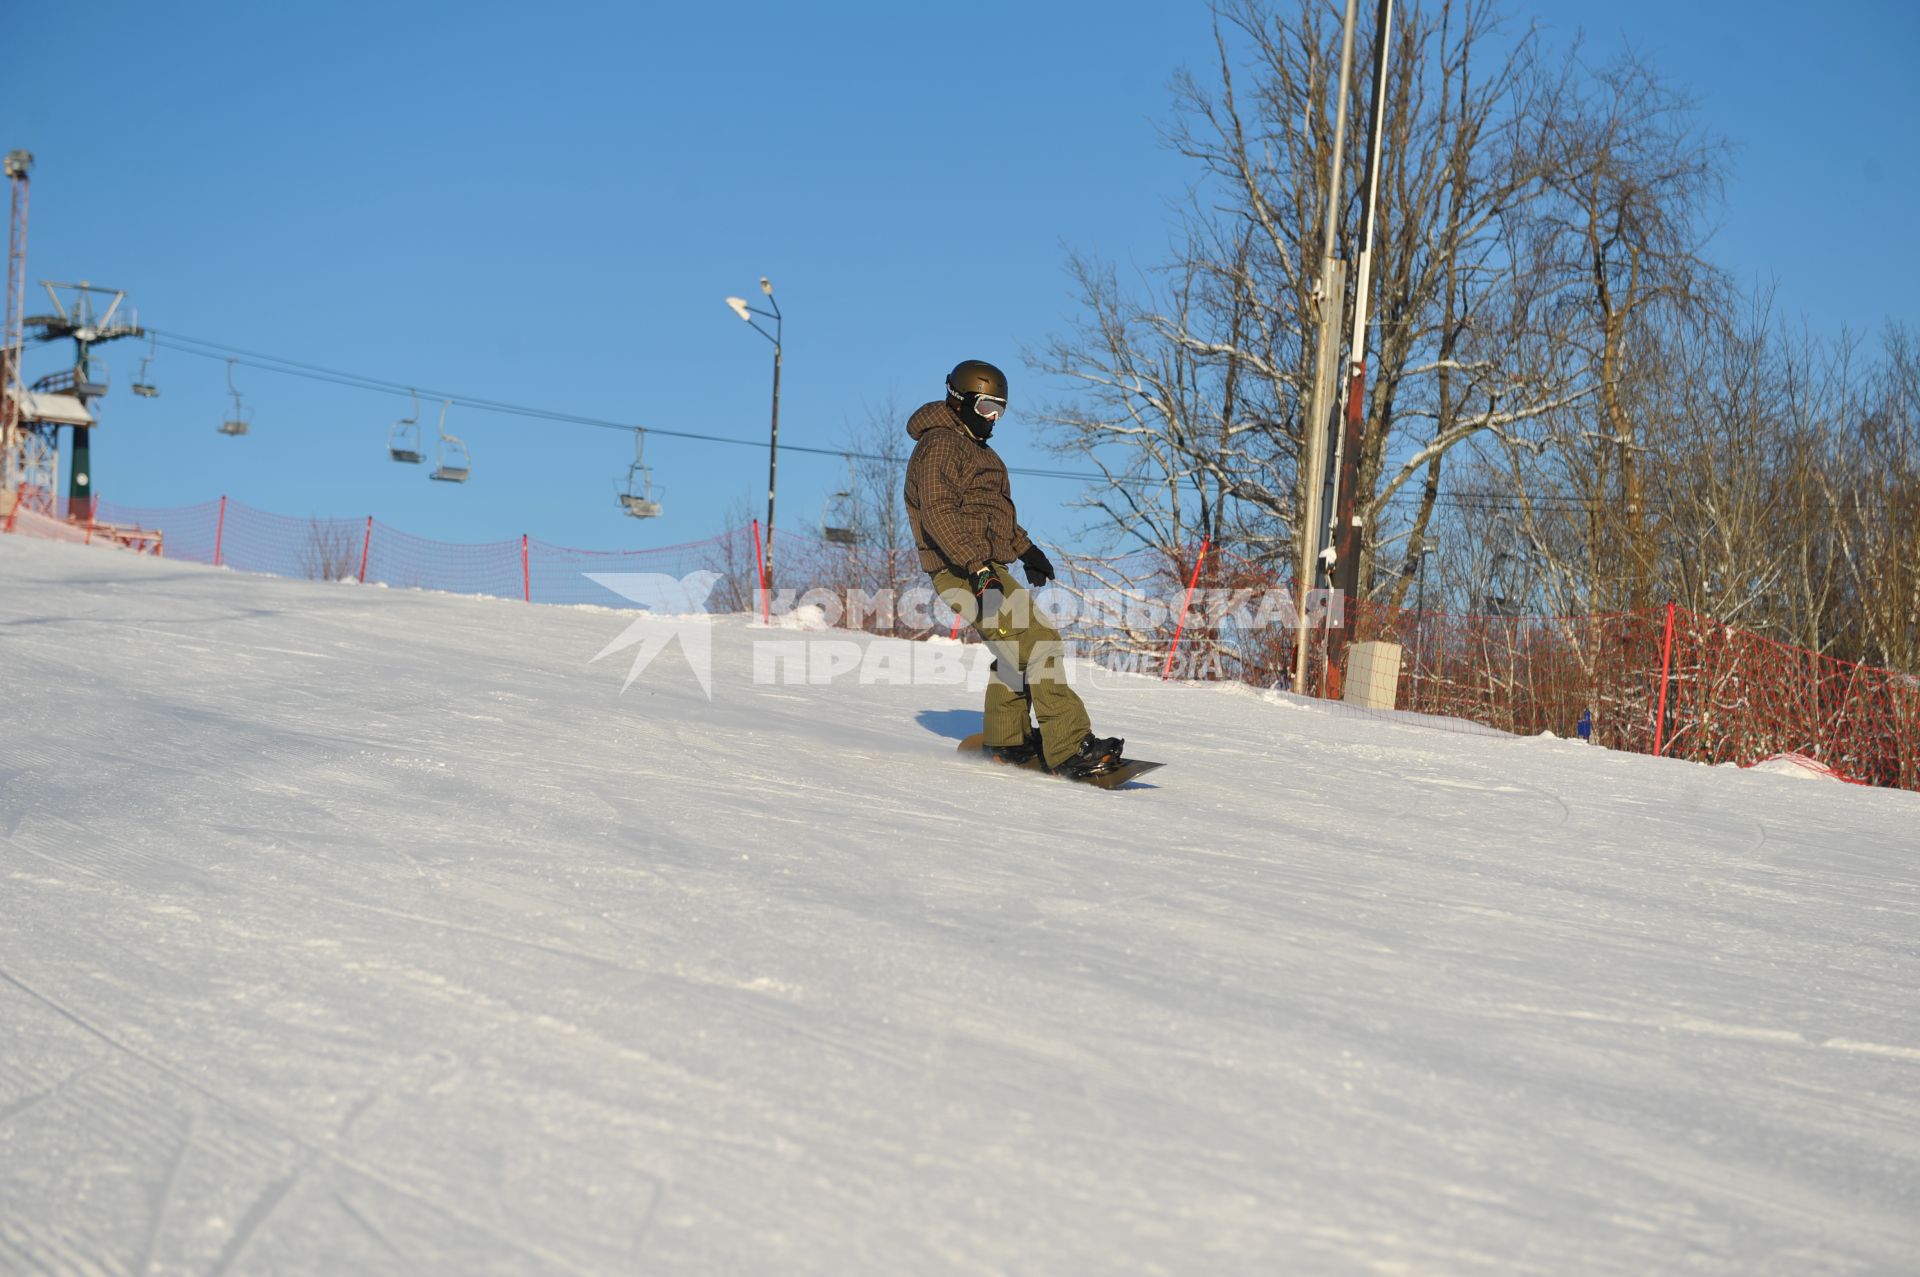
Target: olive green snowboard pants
1029 673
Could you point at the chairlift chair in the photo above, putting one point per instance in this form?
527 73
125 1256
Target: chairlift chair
837 516
95 381
836 520
403 437
141 386
452 464
638 500
242 416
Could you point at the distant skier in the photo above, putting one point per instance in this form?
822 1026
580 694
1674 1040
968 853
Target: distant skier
961 508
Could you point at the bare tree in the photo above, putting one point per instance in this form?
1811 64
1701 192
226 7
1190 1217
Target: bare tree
329 553
1563 385
1193 384
878 461
1874 492
731 556
1613 253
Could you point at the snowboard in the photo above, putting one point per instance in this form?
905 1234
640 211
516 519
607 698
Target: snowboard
1128 768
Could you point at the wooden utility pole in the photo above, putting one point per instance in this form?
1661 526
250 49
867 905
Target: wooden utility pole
1332 299
1347 526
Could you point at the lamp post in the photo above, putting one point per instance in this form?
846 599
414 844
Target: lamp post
1427 546
746 312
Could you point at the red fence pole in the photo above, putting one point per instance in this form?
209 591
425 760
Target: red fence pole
219 529
1666 670
1185 603
526 572
365 547
760 567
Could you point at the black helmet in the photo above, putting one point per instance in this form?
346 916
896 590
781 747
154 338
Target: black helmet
976 377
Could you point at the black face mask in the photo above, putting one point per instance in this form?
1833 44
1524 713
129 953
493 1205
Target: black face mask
980 424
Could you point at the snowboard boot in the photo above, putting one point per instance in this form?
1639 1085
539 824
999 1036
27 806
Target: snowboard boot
1025 752
1097 754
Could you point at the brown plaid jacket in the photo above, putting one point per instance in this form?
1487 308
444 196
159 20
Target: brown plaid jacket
957 494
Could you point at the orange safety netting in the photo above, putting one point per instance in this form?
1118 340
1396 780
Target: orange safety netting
1727 695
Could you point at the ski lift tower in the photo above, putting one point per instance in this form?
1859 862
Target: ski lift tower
76 318
18 164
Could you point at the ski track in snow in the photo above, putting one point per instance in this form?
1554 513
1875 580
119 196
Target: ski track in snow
375 931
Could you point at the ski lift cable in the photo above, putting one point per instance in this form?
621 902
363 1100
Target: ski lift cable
315 372
204 349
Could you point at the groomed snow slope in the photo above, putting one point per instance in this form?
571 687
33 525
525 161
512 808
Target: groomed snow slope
356 930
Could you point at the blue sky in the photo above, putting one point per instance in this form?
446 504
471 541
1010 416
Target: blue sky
547 204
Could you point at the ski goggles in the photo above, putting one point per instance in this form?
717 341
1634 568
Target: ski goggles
986 407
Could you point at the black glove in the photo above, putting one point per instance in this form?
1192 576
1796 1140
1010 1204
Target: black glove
1039 567
991 591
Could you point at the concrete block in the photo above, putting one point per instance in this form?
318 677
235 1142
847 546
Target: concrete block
1373 675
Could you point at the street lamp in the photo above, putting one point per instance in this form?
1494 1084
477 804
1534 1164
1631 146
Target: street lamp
739 307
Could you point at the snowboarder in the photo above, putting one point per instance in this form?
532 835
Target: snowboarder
961 508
